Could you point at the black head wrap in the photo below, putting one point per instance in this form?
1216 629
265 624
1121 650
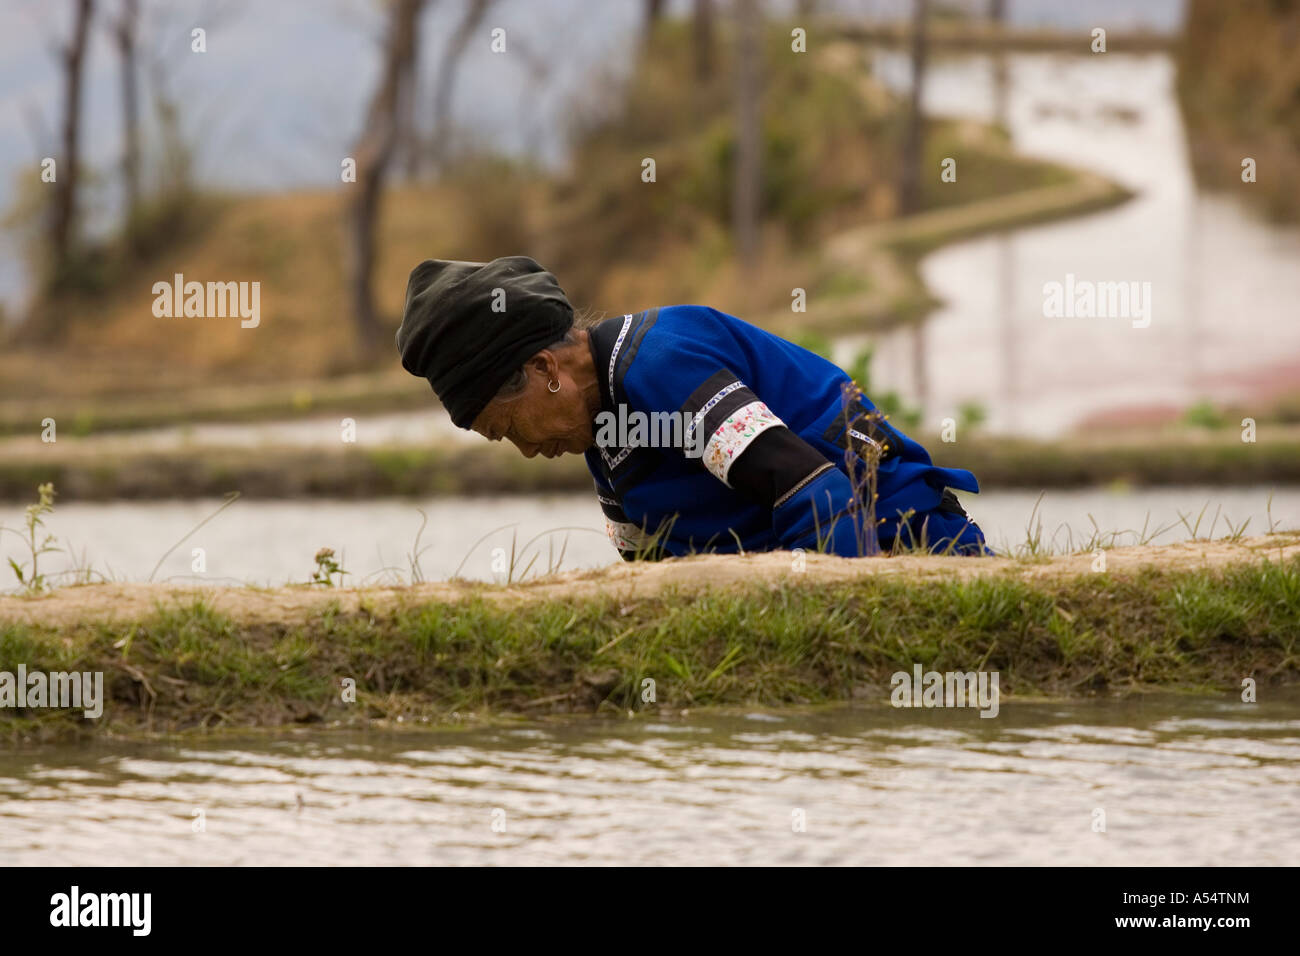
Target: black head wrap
452 335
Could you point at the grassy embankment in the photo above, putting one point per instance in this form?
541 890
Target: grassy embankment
710 631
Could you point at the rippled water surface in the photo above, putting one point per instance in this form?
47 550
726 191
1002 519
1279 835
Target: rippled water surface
1180 781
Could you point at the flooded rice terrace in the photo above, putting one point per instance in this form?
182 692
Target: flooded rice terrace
1117 116
1173 780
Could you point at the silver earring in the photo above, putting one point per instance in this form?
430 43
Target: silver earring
552 387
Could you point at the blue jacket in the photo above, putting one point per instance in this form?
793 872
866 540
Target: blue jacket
785 440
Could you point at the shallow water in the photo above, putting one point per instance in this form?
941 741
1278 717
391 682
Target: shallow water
1224 284
1181 781
273 542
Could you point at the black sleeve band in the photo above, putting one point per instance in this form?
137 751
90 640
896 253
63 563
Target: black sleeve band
773 465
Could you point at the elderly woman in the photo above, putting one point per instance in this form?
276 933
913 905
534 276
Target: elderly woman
774 447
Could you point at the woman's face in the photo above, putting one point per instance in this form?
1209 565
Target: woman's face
539 421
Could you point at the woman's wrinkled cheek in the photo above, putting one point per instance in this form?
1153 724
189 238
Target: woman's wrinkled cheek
584 428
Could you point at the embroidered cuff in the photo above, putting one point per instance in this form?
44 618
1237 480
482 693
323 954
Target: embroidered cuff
736 433
626 536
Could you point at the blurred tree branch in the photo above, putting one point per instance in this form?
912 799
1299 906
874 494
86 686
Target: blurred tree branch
373 154
909 191
747 184
444 88
703 36
124 36
63 214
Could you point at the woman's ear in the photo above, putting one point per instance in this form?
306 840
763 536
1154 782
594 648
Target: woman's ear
545 364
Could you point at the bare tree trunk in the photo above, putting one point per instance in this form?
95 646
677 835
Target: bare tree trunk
1001 79
440 145
124 34
654 10
407 141
703 39
914 137
374 154
749 134
408 133
63 215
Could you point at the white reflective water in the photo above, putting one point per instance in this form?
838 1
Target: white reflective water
273 542
1224 285
1174 780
